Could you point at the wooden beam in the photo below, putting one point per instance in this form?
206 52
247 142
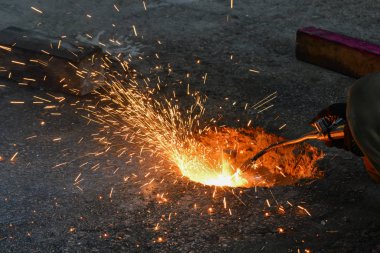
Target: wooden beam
337 52
34 58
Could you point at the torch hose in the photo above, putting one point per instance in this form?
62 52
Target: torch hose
315 135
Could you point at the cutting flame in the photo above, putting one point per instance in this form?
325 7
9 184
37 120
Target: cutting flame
199 170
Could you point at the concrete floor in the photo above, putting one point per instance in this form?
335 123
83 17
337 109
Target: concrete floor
41 210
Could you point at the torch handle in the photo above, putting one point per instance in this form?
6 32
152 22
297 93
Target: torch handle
335 135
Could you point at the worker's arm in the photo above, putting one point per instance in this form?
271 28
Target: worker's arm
332 113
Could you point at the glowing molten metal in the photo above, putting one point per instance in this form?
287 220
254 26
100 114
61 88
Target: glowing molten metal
201 171
226 149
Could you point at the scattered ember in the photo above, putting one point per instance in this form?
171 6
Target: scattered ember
36 10
14 157
160 239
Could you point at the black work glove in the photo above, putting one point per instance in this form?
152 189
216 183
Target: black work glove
331 114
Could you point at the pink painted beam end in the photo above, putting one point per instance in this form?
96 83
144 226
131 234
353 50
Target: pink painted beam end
337 52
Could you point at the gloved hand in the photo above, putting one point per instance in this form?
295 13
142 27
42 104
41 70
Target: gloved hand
331 114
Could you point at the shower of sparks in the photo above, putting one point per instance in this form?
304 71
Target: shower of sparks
161 128
132 109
